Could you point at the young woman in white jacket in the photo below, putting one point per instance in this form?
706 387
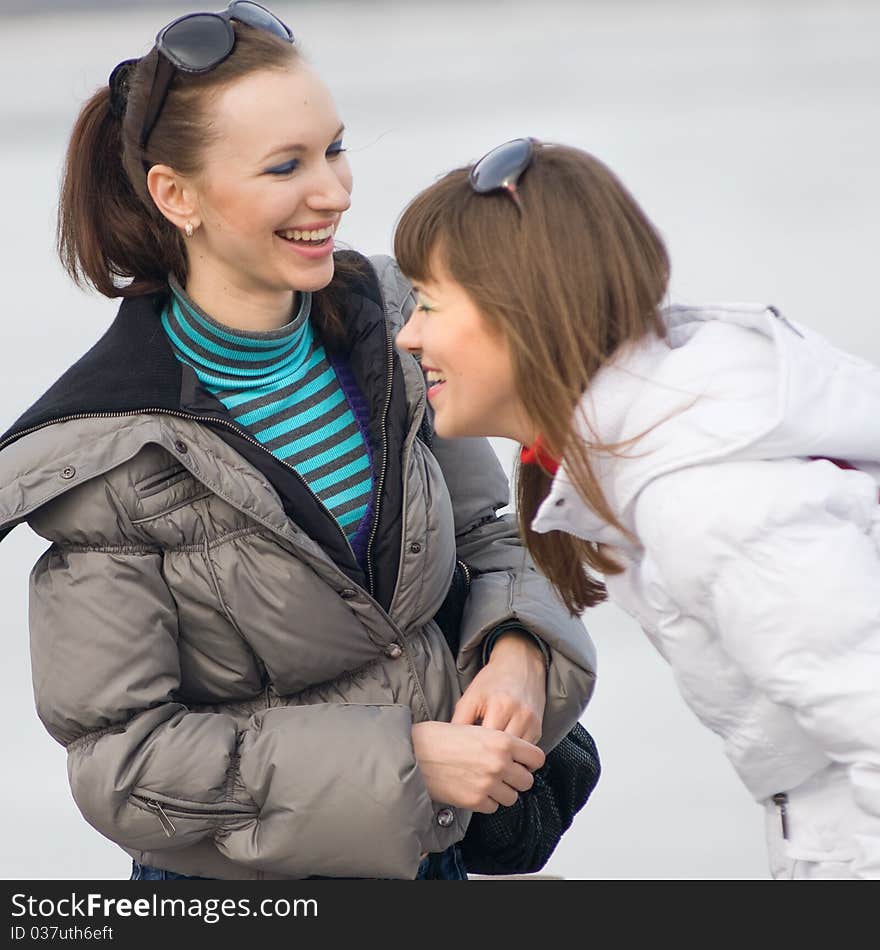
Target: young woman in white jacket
713 470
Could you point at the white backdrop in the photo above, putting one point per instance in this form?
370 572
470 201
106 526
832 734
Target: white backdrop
749 132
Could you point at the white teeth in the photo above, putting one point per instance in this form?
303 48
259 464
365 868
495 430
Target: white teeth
434 377
292 234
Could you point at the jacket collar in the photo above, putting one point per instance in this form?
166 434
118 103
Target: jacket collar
132 370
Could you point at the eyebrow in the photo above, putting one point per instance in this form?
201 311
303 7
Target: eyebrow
297 147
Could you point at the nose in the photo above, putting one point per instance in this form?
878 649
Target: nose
331 190
409 339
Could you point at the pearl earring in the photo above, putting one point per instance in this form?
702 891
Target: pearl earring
188 228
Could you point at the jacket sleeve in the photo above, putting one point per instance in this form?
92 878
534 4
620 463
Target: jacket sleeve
291 791
505 584
782 561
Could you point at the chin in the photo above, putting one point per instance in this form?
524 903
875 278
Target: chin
313 279
442 429
450 429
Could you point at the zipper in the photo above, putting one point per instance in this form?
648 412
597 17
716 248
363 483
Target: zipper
780 800
389 362
168 825
207 419
467 574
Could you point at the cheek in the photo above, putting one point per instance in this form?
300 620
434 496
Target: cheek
492 374
239 210
343 173
227 217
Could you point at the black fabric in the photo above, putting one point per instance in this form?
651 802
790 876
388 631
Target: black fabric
367 354
132 368
519 838
448 617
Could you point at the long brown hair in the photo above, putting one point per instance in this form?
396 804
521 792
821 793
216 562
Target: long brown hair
110 234
566 281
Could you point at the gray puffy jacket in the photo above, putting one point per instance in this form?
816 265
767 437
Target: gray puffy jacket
236 699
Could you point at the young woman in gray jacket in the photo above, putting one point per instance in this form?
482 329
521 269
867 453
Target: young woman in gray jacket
232 628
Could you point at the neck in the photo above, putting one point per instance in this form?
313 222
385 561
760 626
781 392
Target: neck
521 428
238 307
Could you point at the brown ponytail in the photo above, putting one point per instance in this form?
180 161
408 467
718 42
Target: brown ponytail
559 556
107 236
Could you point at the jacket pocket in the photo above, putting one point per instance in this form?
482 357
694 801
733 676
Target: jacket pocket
165 491
166 811
816 821
159 481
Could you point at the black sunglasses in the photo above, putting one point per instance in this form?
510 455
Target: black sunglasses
502 168
197 43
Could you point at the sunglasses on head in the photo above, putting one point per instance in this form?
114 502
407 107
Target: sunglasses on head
195 43
502 168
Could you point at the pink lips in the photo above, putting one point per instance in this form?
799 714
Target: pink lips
314 252
436 387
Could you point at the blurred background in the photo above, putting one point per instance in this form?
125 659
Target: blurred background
748 130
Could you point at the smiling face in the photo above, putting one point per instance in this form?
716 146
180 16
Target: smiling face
467 363
273 186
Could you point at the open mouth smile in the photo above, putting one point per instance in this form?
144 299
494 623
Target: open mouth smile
308 238
435 380
311 243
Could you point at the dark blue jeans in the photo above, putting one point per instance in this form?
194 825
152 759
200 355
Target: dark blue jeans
443 866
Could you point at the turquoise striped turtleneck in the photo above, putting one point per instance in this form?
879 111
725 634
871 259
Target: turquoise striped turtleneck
280 386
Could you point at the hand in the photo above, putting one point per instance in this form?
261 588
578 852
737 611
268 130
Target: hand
510 692
473 767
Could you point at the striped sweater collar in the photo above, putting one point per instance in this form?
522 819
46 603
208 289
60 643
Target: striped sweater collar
221 354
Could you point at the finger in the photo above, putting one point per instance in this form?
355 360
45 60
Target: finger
527 754
525 725
504 794
488 806
518 777
496 716
467 710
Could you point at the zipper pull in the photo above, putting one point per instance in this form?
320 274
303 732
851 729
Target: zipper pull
164 820
780 800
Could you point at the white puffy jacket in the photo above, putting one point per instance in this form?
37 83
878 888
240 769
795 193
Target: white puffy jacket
757 568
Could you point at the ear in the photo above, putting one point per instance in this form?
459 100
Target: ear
174 195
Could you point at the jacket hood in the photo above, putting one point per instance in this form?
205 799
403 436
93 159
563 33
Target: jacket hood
731 382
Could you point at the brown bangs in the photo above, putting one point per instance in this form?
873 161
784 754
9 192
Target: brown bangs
429 224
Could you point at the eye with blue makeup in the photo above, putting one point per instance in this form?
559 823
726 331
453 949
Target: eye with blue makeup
333 150
284 169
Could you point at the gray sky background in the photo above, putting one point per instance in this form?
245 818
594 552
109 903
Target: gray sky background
749 132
